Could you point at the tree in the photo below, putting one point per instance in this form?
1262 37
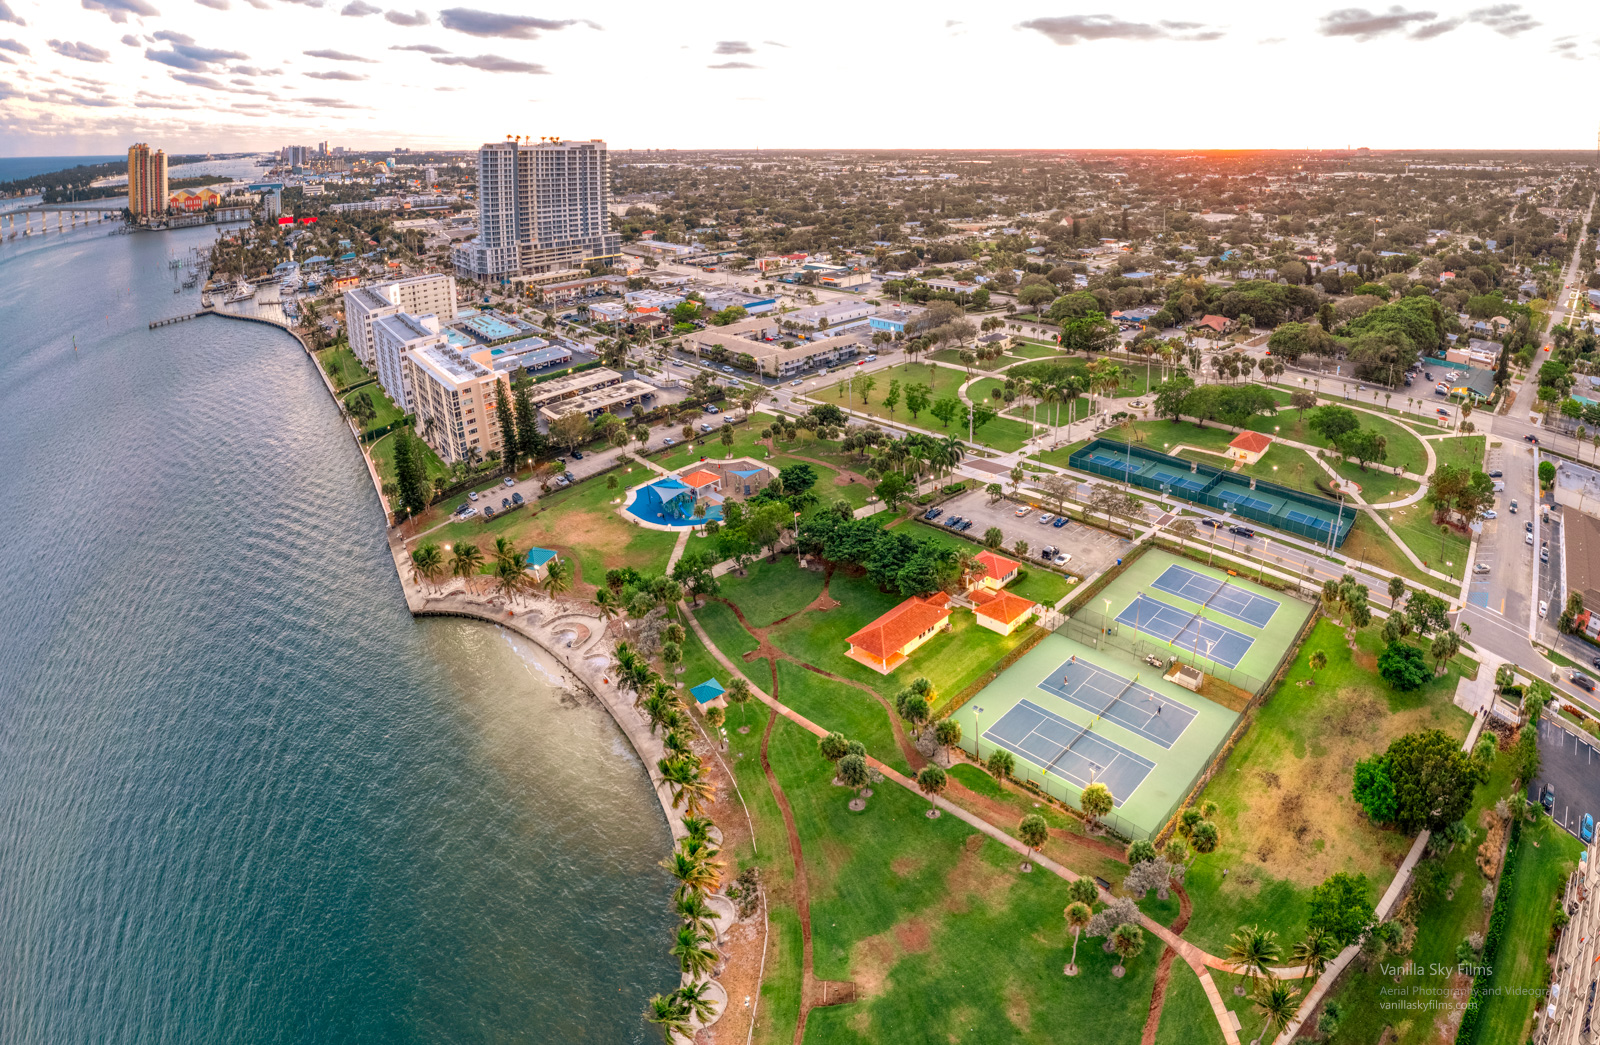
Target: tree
1314 951
1433 780
1171 395
1077 915
1089 333
1319 660
913 707
932 782
1034 831
893 489
738 694
571 430
1140 850
1340 908
918 397
834 746
1253 951
557 577
853 772
410 472
1403 666
467 560
1127 940
947 732
993 537
695 958
1374 790
531 443
505 410
1277 1001
1302 401
671 1014
1204 837
1397 588
1001 764
427 562
1096 801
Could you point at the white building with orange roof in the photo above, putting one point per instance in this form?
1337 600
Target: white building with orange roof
994 572
1247 447
1001 611
887 642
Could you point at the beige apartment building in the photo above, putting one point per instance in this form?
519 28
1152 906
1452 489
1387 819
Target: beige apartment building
454 400
433 293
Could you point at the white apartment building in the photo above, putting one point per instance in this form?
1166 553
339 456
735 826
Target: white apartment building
393 339
541 208
419 295
455 402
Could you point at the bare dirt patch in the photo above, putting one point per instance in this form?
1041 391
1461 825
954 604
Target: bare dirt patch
871 960
904 865
913 935
1018 1011
970 877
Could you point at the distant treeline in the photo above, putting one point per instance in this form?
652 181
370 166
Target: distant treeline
79 179
101 192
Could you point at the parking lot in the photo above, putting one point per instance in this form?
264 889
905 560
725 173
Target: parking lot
1092 549
1571 763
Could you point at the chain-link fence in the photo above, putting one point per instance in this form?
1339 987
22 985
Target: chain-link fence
1097 635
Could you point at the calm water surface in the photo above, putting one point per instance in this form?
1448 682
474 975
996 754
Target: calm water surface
244 796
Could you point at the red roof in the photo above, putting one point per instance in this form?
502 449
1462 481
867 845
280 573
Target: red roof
889 633
995 567
1214 322
1251 442
700 477
1005 607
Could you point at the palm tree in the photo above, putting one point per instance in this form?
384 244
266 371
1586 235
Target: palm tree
694 874
606 603
427 562
1127 940
467 561
694 957
1077 915
509 578
1315 951
557 577
1252 951
688 784
692 996
671 1013
1276 1001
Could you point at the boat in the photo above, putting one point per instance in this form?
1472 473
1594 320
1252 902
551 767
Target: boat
243 292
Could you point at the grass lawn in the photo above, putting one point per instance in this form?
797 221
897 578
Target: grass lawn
1367 543
579 521
840 708
772 590
951 660
1415 526
1460 450
1404 448
342 366
1295 468
746 443
1441 925
982 391
941 380
1031 350
1377 484
726 632
953 357
1285 814
387 412
1186 1017
1203 457
1583 722
383 456
943 938
1545 857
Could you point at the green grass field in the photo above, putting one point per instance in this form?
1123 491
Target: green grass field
1367 543
383 457
1461 451
1377 485
772 590
840 708
342 366
1286 818
725 630
1403 448
1186 1017
387 412
953 357
1445 552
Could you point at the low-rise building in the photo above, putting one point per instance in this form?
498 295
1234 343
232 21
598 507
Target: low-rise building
454 401
1471 382
892 320
609 399
993 572
1248 447
1578 486
887 642
831 315
1001 611
393 339
762 345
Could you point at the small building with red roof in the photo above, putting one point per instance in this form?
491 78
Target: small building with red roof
887 642
700 478
1001 611
994 571
1247 447
1220 324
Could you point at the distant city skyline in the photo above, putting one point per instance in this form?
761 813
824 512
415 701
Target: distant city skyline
233 75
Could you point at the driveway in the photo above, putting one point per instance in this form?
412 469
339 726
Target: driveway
1571 763
1092 549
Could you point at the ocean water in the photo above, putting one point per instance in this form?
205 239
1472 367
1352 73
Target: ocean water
14 167
244 796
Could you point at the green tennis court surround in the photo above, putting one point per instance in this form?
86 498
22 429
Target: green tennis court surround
1302 514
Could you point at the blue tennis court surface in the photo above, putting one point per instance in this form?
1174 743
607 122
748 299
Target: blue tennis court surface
1069 751
1220 595
1305 519
1110 696
1180 482
1246 501
1109 461
1186 631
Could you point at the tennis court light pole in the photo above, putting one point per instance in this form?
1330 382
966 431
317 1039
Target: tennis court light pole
977 732
1105 618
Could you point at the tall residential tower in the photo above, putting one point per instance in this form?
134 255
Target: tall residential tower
541 209
147 182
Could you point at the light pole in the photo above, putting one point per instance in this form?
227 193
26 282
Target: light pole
1105 618
977 732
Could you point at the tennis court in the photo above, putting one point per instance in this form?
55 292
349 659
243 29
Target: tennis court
1112 461
1179 482
1220 595
1186 631
1069 751
1307 519
1106 695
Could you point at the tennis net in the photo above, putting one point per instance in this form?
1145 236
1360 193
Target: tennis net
1059 754
1120 694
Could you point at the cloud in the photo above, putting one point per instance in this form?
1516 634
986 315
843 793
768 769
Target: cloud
1566 47
359 9
493 63
131 40
119 10
1075 29
1273 40
97 103
307 3
733 47
401 18
187 56
951 23
13 45
734 65
195 80
81 51
8 15
1363 25
172 37
1505 19
330 103
337 56
337 74
215 5
259 5
488 23
424 48
774 43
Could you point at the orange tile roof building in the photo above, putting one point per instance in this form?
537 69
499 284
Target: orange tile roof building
701 478
1247 447
887 642
1001 611
997 571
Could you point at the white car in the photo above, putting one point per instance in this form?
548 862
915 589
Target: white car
797 381
1046 519
1061 559
1024 510
1527 538
1491 514
1544 607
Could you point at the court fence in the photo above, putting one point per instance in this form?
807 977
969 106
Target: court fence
1134 458
1054 787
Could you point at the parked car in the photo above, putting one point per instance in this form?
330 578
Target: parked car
577 455
669 441
711 408
1544 555
1547 798
1491 514
1544 608
1046 519
1528 526
966 524
510 481
1061 559
473 496
1024 510
1527 538
1480 568
797 381
953 521
516 498
1211 522
1047 552
505 504
1585 832
1582 681
1495 473
468 513
488 511
1513 507
1061 520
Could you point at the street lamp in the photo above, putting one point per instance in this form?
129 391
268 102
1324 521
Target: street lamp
977 732
1105 619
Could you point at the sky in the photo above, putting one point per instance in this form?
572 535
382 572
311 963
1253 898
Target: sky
92 76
